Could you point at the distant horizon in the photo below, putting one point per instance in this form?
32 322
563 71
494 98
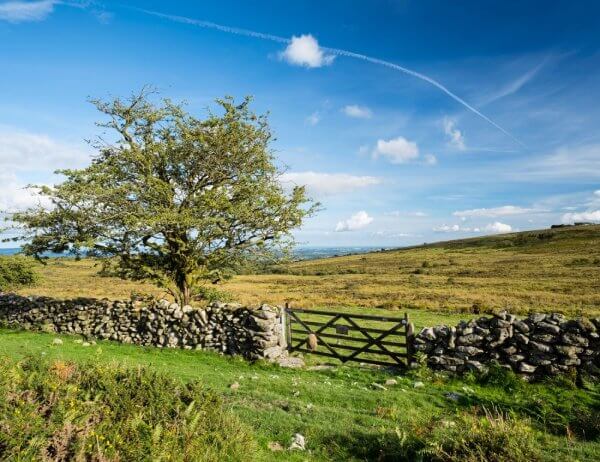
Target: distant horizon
6 250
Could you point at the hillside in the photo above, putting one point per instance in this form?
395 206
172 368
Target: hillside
556 269
541 270
417 415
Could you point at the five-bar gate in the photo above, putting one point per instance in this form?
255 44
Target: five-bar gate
380 340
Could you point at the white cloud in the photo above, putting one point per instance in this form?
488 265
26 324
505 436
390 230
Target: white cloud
313 119
397 151
398 213
325 184
505 210
305 51
493 228
15 196
363 150
566 162
597 193
359 112
430 159
450 229
20 11
516 84
357 221
22 150
103 16
590 216
456 138
391 234
497 228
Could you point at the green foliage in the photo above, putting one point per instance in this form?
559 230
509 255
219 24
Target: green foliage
584 262
585 423
212 294
491 437
16 271
464 437
60 411
499 376
174 199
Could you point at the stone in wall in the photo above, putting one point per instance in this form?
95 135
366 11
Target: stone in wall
226 328
539 345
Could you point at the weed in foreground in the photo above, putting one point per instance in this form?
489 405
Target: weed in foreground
62 411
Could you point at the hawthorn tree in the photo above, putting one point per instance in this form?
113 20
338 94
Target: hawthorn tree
172 199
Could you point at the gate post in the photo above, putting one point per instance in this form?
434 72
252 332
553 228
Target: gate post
410 341
285 339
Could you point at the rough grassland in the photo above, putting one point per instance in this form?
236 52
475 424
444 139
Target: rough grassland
546 270
344 416
344 412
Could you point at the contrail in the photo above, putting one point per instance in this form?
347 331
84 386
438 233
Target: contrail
335 51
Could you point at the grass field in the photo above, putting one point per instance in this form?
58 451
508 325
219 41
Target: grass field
547 270
344 416
347 412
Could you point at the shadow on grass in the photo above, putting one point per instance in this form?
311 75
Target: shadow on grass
556 405
381 447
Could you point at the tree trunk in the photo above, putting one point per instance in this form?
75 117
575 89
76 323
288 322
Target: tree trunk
185 292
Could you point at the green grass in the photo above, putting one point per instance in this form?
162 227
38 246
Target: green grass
345 417
340 411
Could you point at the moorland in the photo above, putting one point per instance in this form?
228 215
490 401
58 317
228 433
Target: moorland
204 406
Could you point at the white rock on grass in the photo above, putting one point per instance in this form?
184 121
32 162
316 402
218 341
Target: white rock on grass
57 341
298 443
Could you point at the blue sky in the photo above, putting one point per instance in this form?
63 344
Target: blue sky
394 159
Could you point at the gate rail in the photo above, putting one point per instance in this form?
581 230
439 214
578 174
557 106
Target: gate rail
383 336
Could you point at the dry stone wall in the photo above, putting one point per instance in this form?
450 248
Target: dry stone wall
226 328
539 345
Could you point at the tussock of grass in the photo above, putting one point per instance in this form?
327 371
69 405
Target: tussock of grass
490 437
57 410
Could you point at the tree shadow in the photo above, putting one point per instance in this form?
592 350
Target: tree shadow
383 446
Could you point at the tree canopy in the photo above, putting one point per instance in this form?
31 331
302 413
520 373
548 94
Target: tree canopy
171 198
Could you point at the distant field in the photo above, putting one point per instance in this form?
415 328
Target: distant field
544 270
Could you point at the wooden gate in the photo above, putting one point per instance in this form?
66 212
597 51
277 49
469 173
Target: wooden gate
380 340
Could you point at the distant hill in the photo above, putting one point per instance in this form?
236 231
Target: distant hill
564 235
542 270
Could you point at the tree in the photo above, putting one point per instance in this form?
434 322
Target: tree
16 271
172 199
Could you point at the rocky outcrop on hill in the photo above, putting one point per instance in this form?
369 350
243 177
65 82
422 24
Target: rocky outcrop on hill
225 328
539 345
